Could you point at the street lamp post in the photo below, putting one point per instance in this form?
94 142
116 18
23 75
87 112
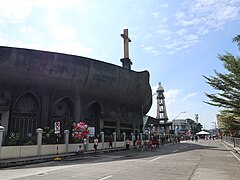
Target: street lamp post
174 120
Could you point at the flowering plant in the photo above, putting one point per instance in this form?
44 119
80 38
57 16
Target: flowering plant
80 130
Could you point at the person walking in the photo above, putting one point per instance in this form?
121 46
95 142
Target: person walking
138 143
110 142
85 145
95 143
127 144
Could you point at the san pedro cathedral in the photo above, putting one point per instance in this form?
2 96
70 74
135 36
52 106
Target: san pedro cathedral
38 88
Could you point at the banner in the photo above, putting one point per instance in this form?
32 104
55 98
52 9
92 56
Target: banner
145 119
57 127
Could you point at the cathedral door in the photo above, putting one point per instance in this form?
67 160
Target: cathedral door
93 116
62 113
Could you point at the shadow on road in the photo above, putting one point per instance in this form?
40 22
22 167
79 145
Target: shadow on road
167 149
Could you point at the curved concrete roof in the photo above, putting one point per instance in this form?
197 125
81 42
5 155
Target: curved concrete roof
75 73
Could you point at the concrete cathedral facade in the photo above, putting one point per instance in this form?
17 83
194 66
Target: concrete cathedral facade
38 88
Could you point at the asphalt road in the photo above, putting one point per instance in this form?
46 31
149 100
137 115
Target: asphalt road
202 160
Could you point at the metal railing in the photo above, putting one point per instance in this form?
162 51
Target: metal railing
232 140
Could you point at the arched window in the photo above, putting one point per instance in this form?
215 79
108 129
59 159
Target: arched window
25 115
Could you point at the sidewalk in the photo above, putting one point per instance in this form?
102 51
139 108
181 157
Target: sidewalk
41 159
236 149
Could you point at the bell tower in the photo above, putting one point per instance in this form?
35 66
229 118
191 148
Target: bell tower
161 109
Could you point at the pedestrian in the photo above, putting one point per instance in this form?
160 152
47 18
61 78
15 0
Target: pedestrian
158 143
79 150
196 138
85 145
179 139
95 143
127 144
138 143
110 142
150 143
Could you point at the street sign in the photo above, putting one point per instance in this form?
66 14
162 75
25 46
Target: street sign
92 131
57 127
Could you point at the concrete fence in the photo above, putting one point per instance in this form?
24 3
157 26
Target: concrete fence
40 150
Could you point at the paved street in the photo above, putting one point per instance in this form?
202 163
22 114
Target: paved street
188 160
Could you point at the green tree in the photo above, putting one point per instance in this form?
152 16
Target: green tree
195 127
230 124
227 84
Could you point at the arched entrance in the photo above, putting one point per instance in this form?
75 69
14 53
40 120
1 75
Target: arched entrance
93 116
25 115
63 113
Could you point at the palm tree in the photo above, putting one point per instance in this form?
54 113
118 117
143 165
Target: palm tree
237 40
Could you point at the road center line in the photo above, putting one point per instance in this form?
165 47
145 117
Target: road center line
106 177
155 159
231 152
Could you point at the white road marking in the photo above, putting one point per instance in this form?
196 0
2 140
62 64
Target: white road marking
106 177
231 152
175 151
155 159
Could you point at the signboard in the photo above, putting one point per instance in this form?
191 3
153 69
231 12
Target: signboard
92 131
57 127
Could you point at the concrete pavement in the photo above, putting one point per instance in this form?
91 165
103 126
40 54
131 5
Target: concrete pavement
200 160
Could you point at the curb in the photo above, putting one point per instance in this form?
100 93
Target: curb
234 149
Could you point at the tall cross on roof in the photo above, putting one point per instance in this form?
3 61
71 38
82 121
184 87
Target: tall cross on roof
126 43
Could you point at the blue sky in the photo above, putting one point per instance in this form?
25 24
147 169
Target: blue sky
177 41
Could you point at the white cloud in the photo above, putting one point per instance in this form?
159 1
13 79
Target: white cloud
202 30
189 96
148 35
16 10
164 20
209 13
151 50
191 38
172 95
71 47
68 47
182 32
165 5
163 32
155 15
20 44
59 32
182 42
27 29
2 40
171 45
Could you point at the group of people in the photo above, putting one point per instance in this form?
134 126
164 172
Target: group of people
149 145
80 150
